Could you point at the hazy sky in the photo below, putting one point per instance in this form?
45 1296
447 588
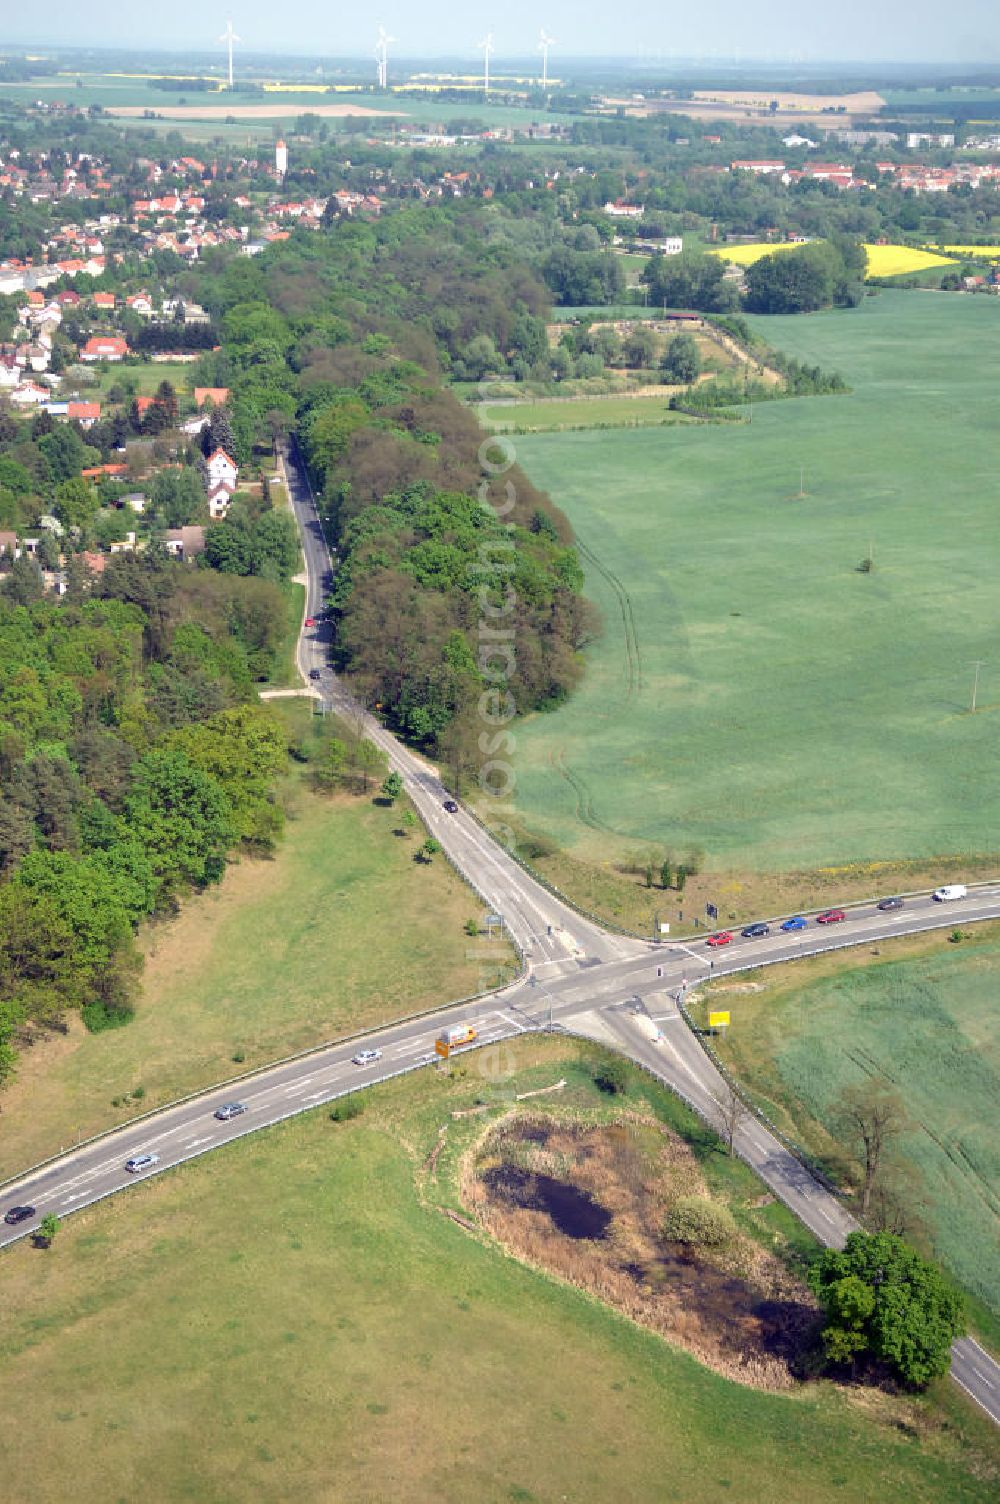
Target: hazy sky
899 30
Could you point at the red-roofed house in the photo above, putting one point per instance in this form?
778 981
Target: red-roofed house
104 300
104 347
217 395
221 468
94 472
85 413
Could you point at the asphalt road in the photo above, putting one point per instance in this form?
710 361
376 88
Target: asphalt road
578 977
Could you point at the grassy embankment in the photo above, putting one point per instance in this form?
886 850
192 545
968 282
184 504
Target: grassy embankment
755 693
313 1326
340 930
920 1018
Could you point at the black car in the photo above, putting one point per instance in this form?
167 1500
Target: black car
755 931
315 673
451 806
886 904
18 1214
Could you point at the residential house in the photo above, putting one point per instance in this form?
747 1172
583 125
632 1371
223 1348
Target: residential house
28 394
84 413
104 347
217 395
222 468
762 167
184 543
220 494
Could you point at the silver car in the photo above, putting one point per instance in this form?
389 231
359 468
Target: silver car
230 1110
366 1057
141 1162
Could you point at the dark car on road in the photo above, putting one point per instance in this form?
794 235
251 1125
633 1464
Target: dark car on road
16 1214
230 1110
831 916
755 931
888 904
315 673
451 806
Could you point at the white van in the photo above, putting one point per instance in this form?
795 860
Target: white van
950 891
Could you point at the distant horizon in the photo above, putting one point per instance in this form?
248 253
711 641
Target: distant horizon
214 56
895 33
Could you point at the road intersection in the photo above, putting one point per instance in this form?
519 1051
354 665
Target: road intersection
578 977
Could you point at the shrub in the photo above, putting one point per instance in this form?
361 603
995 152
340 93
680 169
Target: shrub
612 1077
347 1108
98 1016
696 1220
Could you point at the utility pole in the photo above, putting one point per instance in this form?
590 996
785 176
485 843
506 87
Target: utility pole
978 663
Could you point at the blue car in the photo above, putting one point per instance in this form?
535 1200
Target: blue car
795 923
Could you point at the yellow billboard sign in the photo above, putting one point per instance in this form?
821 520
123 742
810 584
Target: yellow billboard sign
718 1020
443 1048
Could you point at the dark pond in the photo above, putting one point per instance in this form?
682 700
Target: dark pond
573 1212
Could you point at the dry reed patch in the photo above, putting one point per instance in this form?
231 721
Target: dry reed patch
588 1203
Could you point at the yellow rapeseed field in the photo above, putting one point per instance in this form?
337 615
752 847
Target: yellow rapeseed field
978 252
746 255
897 260
883 260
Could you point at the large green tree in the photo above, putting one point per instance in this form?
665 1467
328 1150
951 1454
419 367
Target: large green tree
885 1303
182 818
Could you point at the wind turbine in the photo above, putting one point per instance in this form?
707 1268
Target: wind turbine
545 42
229 36
382 56
486 45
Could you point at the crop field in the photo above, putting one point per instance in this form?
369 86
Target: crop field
900 260
755 692
115 91
310 1325
883 260
976 252
746 255
925 1023
277 959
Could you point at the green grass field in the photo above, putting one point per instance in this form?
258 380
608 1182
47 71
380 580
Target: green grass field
754 693
340 930
567 414
293 1317
925 1023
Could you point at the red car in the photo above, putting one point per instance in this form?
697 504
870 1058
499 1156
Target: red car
721 937
831 916
310 621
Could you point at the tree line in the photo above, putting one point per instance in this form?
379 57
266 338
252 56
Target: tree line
134 758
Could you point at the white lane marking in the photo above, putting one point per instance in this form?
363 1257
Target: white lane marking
192 1143
676 945
512 1021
